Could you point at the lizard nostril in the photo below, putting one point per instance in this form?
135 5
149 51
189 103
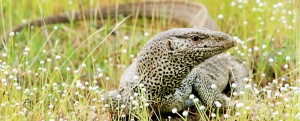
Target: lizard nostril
205 46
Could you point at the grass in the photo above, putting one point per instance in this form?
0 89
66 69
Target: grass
55 73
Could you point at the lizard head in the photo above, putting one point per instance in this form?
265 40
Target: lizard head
194 45
181 48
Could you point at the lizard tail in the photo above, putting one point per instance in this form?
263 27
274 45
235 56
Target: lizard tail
193 14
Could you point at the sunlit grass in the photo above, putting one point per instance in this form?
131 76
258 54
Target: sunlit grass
62 72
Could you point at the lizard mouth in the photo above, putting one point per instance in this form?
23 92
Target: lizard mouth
204 50
216 48
225 46
212 50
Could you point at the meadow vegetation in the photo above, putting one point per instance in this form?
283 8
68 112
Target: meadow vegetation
59 72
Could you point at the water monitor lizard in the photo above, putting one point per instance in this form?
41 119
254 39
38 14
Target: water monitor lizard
168 83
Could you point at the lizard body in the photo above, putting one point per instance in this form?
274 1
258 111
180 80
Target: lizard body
169 83
168 58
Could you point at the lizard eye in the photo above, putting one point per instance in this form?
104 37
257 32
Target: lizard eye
195 38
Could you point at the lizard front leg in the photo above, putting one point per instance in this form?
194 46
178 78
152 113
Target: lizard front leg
179 99
209 93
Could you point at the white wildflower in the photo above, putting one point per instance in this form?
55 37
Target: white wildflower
256 48
134 102
235 94
26 91
123 106
242 92
42 62
220 16
22 113
4 54
3 80
146 34
27 49
12 34
174 110
286 85
248 86
34 89
50 106
202 107
226 115
125 37
196 100
218 104
124 51
271 60
78 84
55 27
58 57
100 75
245 79
3 104
192 96
233 85
119 96
83 65
287 58
232 3
213 115
239 105
18 87
185 113
275 113
56 68
297 116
